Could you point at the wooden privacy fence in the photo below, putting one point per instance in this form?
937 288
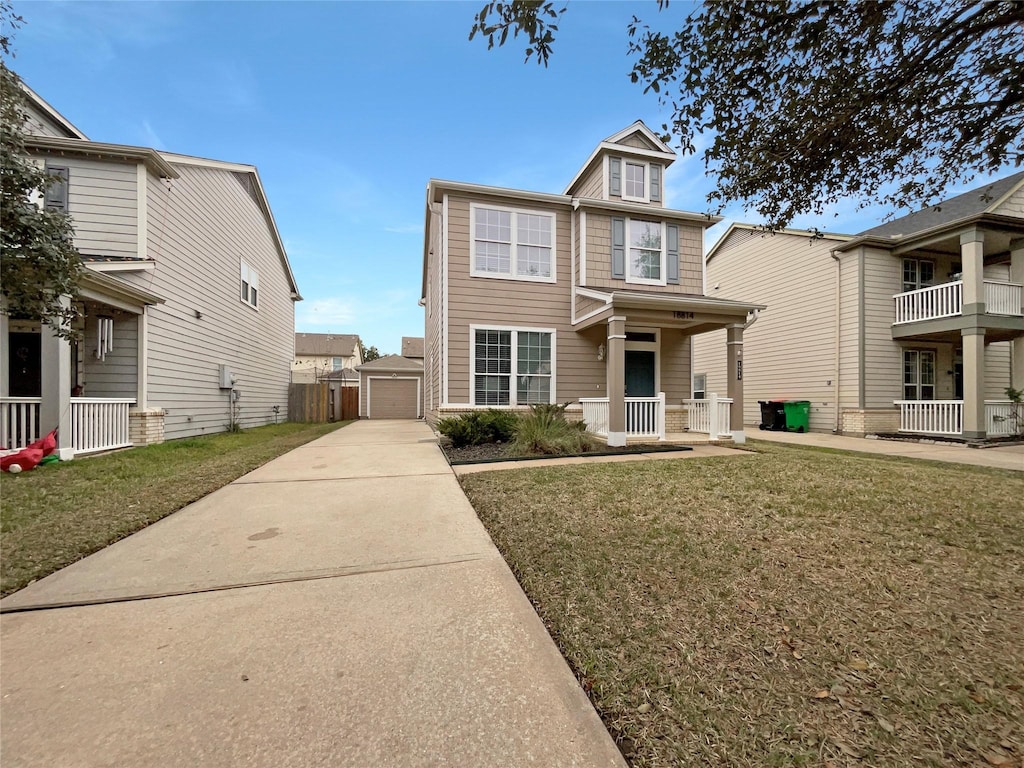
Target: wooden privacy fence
308 402
323 401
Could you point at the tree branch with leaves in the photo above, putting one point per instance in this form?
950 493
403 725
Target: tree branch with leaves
808 102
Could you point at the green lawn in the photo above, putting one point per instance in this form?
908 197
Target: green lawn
57 514
788 607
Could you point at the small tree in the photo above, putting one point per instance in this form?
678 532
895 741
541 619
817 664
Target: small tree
368 353
38 260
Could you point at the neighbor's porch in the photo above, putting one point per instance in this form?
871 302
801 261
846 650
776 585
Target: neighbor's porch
93 390
945 418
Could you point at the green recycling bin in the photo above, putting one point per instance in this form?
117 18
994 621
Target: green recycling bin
798 415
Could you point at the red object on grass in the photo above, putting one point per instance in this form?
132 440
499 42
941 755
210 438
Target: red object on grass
48 444
26 458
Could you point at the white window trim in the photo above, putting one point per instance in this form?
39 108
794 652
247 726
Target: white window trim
646 197
250 276
919 384
629 262
514 362
513 255
693 386
918 262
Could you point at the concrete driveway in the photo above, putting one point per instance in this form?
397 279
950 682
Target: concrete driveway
340 606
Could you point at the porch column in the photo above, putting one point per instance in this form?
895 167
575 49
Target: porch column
974 383
55 389
1017 276
972 255
734 366
142 364
615 362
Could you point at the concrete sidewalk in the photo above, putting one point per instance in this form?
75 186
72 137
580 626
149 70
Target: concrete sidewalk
340 606
1003 457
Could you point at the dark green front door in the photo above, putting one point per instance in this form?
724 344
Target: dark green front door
639 373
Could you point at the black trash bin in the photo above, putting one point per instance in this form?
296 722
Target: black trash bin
773 415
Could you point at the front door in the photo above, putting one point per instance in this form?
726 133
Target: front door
958 376
25 363
639 373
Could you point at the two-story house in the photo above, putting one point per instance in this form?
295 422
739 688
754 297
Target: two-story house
591 296
915 326
187 300
320 356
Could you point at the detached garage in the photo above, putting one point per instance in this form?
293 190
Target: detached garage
391 387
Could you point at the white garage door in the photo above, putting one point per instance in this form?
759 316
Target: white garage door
393 399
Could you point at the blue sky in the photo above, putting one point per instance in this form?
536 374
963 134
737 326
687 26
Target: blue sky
347 109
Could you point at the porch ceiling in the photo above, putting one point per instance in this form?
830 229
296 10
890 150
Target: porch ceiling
695 314
109 290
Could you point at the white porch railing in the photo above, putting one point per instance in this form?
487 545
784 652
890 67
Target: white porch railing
945 300
934 417
1004 298
711 416
19 421
645 416
99 423
1000 419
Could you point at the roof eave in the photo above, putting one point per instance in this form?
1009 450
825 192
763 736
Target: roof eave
150 157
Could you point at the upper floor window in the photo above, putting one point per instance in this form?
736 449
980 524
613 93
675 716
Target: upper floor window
250 286
512 243
635 183
337 363
55 198
918 273
646 253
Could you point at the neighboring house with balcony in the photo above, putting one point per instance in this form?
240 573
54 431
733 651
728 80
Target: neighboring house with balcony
187 300
590 297
915 326
323 356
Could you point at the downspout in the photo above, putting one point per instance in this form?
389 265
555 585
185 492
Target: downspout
839 294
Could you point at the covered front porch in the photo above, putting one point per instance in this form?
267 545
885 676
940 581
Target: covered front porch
643 338
1002 418
92 390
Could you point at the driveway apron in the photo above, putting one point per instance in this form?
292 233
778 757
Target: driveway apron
340 606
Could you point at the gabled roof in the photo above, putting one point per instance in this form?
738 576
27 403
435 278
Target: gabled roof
412 346
55 117
326 344
150 157
640 128
391 363
752 230
613 144
984 199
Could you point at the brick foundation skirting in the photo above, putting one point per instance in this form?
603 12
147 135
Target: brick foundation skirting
858 422
146 426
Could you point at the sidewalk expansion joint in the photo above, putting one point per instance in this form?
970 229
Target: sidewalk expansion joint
240 481
335 574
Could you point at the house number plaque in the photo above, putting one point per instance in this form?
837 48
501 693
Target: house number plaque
739 370
683 315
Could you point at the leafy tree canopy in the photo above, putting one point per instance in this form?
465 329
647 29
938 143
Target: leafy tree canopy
806 102
368 353
38 261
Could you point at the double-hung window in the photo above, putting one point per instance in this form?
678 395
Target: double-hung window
917 274
634 185
512 366
918 374
646 253
513 244
699 386
250 286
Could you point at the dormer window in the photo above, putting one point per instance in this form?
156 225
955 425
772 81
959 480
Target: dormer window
635 182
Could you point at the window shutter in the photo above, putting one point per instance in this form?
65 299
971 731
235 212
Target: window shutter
655 183
615 176
619 248
672 254
56 197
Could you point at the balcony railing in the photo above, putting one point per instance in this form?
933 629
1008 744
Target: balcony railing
947 299
946 417
97 423
645 416
711 416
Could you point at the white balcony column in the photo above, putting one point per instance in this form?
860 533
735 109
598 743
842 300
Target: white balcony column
1017 276
972 256
55 372
615 360
734 364
974 383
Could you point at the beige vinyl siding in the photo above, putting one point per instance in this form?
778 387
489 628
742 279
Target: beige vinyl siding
433 318
883 358
849 329
637 141
585 305
599 257
1013 205
998 360
117 374
39 124
485 301
789 352
592 184
103 203
675 364
201 226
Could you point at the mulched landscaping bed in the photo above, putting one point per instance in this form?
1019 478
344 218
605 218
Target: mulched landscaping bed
493 452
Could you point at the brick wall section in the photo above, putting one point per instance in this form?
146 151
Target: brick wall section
858 422
146 426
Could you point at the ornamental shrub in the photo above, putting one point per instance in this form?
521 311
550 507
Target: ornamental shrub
478 427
